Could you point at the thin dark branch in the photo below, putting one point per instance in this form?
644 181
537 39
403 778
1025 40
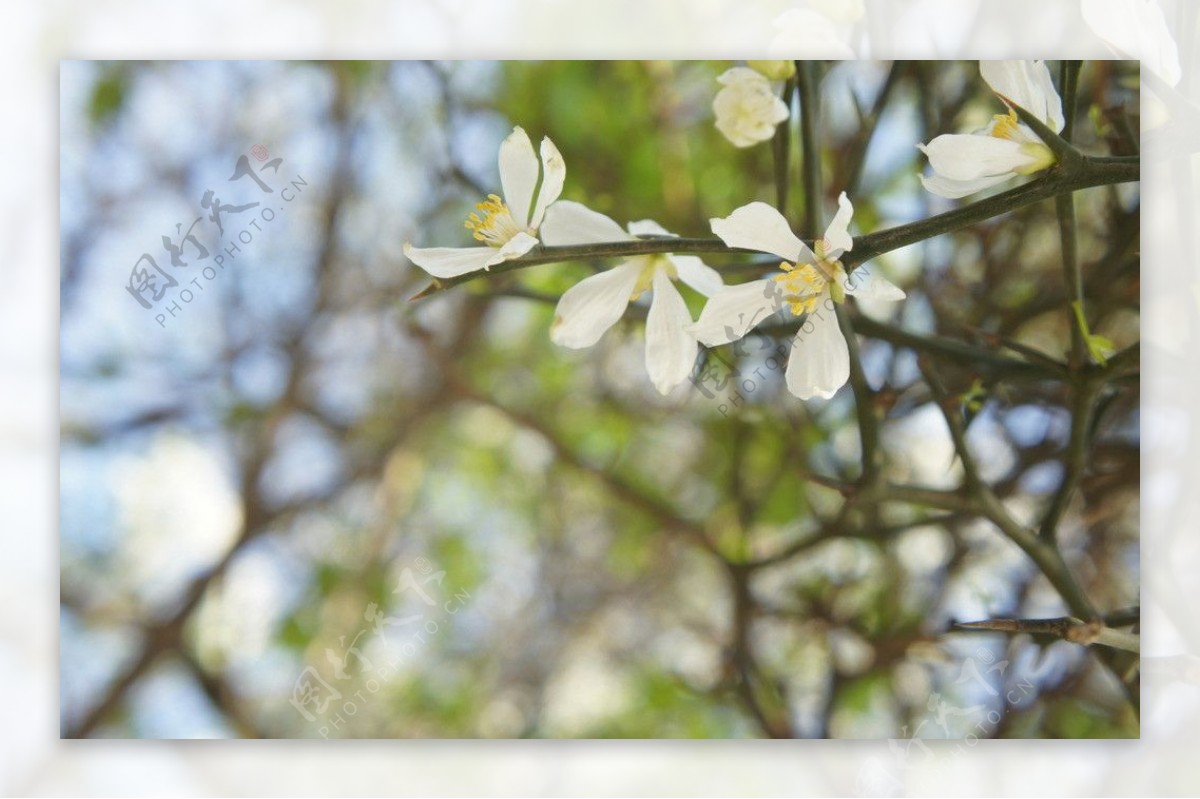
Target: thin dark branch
1066 628
1064 206
1083 392
810 152
864 403
1093 172
1043 553
781 150
857 157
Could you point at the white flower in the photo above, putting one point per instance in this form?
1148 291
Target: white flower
775 69
966 163
594 304
810 283
507 226
822 32
747 108
1136 29
841 12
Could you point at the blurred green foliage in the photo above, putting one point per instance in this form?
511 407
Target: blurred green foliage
619 564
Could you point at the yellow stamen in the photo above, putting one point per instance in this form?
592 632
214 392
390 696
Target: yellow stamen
1006 126
494 224
646 277
803 285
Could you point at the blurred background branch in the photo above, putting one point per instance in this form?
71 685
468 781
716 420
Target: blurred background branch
254 486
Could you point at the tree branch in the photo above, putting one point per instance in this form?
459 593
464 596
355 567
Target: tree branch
1043 553
781 150
1066 628
1092 172
810 154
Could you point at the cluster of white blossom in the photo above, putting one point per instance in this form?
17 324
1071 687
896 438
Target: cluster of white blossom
809 283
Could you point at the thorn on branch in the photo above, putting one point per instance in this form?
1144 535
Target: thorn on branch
433 287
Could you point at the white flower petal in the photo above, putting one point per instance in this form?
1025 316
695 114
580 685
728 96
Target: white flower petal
774 69
837 235
967 156
697 274
450 261
736 75
806 33
670 349
841 12
518 174
593 305
863 284
758 226
570 222
515 247
554 174
733 310
1028 84
1025 135
820 361
747 108
1136 30
648 227
953 189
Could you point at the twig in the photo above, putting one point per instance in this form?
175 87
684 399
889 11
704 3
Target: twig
857 157
661 512
864 403
1064 206
1066 628
1083 390
781 149
960 351
810 154
1042 552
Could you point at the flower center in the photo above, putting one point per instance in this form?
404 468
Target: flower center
646 277
493 224
803 285
1006 127
1040 156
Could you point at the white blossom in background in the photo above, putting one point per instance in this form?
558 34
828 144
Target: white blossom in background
593 305
747 107
1136 29
966 163
508 226
777 69
840 12
819 29
810 284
